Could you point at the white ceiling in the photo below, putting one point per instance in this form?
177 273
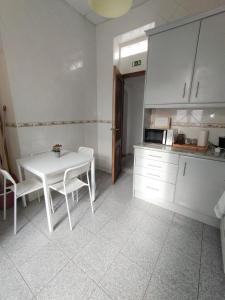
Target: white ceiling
83 8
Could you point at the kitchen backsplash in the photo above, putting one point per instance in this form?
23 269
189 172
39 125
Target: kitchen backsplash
191 121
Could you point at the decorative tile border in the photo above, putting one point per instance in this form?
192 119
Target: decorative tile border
202 125
58 123
54 123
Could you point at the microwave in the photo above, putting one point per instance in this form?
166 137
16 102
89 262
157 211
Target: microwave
157 136
160 136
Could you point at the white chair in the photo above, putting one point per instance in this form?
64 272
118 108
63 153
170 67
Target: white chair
86 150
72 183
58 177
20 189
38 194
51 179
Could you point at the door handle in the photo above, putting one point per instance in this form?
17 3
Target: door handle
184 90
184 171
114 129
197 89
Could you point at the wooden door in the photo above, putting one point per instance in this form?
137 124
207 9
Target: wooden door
117 123
171 58
209 76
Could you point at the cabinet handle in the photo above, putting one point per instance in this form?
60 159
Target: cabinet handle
151 188
184 90
197 89
184 171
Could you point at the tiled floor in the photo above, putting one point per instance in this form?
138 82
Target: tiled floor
128 250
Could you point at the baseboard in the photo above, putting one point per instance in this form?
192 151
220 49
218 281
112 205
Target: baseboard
181 210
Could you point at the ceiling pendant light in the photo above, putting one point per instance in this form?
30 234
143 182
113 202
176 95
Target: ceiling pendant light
110 8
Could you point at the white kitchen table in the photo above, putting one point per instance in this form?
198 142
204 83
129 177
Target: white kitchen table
47 164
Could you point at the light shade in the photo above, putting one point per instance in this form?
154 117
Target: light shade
110 8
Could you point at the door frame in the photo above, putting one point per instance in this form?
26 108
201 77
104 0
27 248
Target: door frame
115 73
124 76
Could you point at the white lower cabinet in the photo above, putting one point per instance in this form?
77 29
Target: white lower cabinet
156 169
154 189
155 174
187 185
157 155
200 183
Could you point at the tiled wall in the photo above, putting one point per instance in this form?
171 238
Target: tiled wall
191 121
51 66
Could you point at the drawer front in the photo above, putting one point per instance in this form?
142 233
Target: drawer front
154 189
167 172
157 155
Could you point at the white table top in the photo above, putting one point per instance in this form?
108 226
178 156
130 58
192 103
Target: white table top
48 163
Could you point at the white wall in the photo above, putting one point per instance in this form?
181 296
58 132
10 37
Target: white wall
133 112
125 63
44 42
158 11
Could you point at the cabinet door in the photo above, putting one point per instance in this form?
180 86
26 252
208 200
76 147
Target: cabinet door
171 57
209 75
200 183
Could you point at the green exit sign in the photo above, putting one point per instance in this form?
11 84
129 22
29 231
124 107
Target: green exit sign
136 63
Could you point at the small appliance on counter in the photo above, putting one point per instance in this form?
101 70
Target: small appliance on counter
181 138
157 136
171 136
203 138
222 142
160 136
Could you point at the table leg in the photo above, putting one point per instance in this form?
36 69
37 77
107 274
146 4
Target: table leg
93 186
21 179
47 203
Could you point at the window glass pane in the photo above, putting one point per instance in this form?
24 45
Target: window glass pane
134 49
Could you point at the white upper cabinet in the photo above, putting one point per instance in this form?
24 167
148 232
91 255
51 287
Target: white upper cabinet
171 58
209 76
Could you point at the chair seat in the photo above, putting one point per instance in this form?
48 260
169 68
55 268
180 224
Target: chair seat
72 185
27 186
58 178
55 178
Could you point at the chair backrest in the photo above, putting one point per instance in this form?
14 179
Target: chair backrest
87 150
7 176
76 171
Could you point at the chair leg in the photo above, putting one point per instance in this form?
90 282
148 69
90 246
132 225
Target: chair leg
38 194
68 211
4 201
77 196
51 202
15 213
73 196
24 200
89 189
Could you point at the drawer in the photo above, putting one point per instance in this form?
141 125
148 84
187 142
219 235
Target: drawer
157 155
154 189
162 171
